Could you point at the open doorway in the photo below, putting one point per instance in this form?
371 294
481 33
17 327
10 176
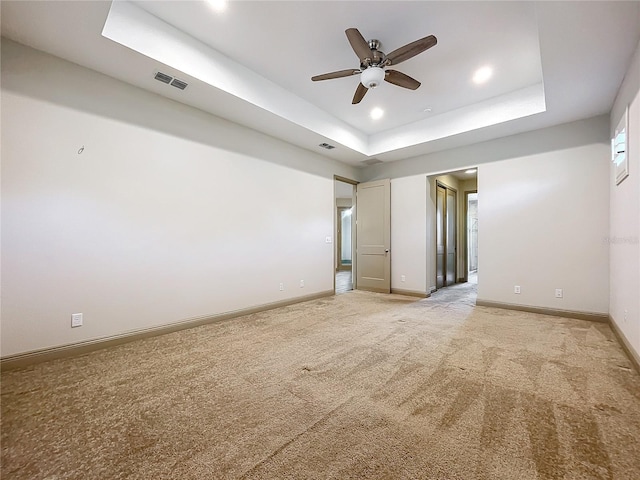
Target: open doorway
448 228
452 230
344 229
343 237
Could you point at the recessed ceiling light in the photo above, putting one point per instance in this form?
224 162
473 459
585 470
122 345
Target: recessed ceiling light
427 110
376 113
218 5
471 170
482 75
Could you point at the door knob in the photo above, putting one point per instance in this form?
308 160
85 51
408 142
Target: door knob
386 250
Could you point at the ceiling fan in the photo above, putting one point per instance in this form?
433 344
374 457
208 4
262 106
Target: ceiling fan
373 63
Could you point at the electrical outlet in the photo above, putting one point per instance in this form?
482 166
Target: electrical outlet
403 278
327 239
76 320
625 316
559 293
301 283
281 287
516 289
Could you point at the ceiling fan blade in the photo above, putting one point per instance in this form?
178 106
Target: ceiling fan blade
411 50
338 74
359 44
361 91
400 79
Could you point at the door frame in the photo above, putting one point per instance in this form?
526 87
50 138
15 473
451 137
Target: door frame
466 233
340 267
442 224
444 235
354 206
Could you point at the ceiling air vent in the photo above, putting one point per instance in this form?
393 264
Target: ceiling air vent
163 77
371 161
327 146
179 84
174 82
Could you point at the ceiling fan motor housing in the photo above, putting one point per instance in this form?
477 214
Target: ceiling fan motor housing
372 77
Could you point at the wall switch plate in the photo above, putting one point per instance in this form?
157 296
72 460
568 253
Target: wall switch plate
559 293
76 320
301 283
516 289
281 286
327 239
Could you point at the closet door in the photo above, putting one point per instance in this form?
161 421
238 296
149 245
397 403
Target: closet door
451 237
441 201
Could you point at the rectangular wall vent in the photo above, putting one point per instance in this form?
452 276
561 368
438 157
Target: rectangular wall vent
371 161
163 77
179 84
327 146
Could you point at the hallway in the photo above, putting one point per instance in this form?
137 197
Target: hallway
460 293
344 282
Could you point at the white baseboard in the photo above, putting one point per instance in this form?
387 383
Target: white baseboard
593 317
410 293
626 345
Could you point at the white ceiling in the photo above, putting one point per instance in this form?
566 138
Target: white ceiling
554 62
303 39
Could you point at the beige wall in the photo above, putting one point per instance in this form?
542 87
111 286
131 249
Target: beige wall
542 224
559 137
624 209
449 181
409 234
469 185
139 231
574 156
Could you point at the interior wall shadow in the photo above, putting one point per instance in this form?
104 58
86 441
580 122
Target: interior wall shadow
31 73
448 155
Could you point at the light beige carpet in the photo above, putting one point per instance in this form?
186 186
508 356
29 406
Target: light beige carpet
355 386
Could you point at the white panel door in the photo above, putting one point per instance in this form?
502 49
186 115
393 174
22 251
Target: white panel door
374 236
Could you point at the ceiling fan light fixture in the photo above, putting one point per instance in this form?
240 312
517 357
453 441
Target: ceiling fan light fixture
373 62
372 77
